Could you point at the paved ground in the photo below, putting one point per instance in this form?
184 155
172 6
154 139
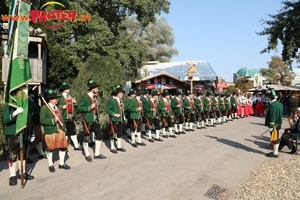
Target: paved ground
182 168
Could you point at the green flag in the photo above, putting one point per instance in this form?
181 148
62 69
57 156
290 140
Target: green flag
19 73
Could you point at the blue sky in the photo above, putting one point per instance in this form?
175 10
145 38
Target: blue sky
222 32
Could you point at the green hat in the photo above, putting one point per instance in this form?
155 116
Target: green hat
154 92
51 94
273 92
92 84
216 94
208 92
139 90
64 86
178 92
146 91
223 94
187 92
131 91
119 89
165 92
198 92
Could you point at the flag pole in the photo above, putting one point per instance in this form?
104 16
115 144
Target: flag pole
22 158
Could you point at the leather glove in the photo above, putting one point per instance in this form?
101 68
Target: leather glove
18 111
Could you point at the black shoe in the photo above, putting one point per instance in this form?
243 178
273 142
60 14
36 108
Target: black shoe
121 149
100 156
64 166
281 146
187 130
141 144
177 133
114 151
51 168
172 136
165 136
89 159
79 148
192 130
182 132
204 127
134 145
213 126
42 156
151 140
27 177
293 150
158 139
13 181
198 127
91 144
28 160
272 155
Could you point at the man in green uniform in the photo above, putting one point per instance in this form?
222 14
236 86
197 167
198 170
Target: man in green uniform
208 108
144 98
54 129
164 109
233 106
67 104
151 114
90 107
274 120
10 115
228 106
222 107
115 110
200 115
135 108
177 108
189 110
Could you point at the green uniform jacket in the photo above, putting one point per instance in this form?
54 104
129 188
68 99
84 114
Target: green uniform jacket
113 108
84 106
161 107
61 103
148 109
48 121
186 105
214 101
199 104
221 103
206 103
233 101
9 121
274 114
176 106
133 108
227 104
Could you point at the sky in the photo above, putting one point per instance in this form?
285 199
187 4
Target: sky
222 32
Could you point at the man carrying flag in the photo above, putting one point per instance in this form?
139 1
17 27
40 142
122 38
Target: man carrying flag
15 112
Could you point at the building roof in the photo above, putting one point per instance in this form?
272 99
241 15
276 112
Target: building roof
160 74
248 72
178 69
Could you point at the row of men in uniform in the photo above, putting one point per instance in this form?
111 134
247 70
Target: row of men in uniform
56 119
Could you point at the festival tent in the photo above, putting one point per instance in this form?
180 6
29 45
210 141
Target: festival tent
276 88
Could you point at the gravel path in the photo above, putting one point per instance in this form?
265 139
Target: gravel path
277 179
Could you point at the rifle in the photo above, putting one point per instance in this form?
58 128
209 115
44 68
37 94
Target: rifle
40 95
85 127
147 122
111 127
134 124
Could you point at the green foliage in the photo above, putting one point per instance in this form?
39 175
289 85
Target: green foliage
284 26
278 71
231 89
71 45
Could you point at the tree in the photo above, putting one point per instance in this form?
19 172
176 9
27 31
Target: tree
157 38
284 26
278 71
71 45
244 84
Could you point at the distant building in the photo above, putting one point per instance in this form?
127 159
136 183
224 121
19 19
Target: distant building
251 75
